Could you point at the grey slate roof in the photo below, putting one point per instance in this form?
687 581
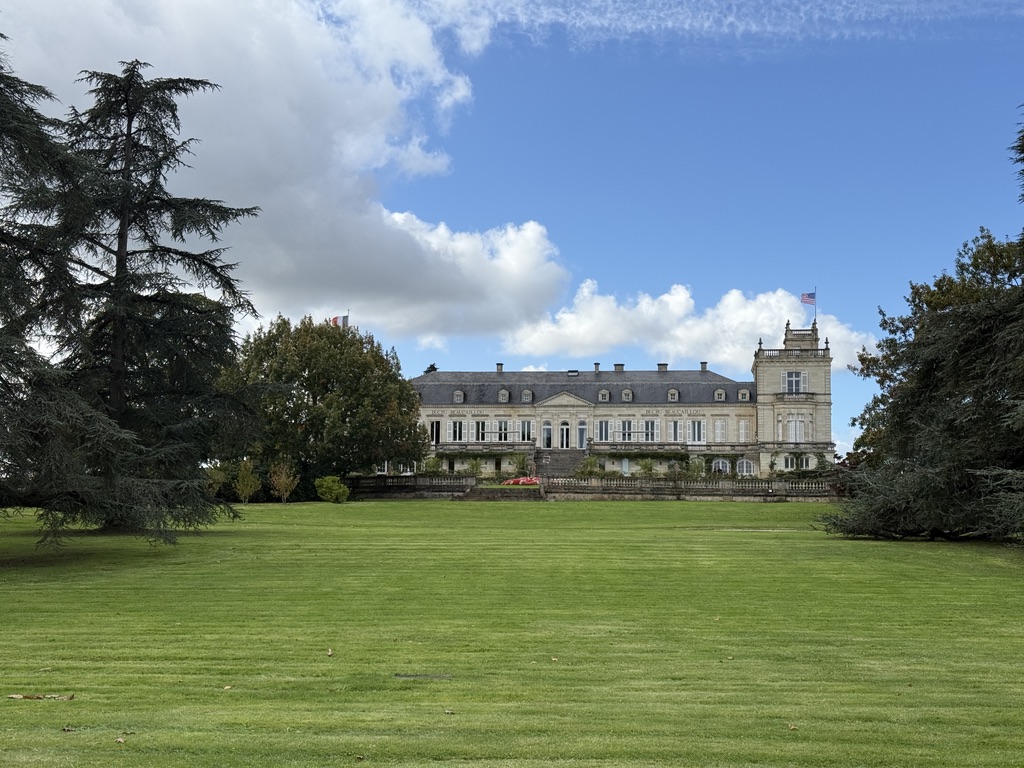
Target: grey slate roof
648 387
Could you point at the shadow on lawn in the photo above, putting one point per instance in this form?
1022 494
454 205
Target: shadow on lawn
77 546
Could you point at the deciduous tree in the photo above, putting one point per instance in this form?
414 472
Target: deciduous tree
334 400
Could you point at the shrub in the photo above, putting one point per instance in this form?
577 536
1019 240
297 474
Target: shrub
283 480
247 482
330 488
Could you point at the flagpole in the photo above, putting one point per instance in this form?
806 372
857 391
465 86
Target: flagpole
815 304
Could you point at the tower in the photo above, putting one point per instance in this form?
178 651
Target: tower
794 401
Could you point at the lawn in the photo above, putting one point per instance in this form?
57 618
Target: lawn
510 634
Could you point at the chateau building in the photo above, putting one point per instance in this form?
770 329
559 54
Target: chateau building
550 421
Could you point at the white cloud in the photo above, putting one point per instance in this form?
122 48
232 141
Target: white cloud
318 95
670 328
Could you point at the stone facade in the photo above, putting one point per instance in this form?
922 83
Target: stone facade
780 420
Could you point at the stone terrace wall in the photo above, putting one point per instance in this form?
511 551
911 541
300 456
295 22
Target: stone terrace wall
624 488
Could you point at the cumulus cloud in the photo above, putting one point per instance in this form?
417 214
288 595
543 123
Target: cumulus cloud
320 95
671 329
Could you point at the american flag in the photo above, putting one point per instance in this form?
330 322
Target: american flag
807 298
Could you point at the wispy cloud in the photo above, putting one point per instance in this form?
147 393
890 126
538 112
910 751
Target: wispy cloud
708 20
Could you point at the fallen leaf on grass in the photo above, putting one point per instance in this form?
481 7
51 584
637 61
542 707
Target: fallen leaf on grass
119 740
792 726
330 652
227 687
449 711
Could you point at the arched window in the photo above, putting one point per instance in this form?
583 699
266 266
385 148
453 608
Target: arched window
563 435
745 468
720 466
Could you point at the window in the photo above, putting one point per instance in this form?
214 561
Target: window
794 462
602 396
563 435
603 431
526 431
527 396
720 466
627 395
456 431
480 431
459 397
695 432
650 431
545 435
581 435
744 425
501 433
744 395
745 468
435 432
626 430
795 428
720 431
719 395
503 396
673 395
794 382
675 431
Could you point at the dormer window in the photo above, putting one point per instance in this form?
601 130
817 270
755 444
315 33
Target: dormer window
503 396
673 395
603 396
627 395
527 396
459 396
744 395
719 395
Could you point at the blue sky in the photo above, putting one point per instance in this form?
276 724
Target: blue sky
552 184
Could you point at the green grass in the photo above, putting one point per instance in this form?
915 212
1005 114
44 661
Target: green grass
504 634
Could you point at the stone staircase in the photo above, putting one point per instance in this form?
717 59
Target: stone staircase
558 462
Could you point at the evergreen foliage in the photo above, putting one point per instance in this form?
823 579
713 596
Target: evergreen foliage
331 489
112 427
942 448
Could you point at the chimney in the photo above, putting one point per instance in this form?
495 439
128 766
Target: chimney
597 367
703 365
662 366
501 367
620 367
